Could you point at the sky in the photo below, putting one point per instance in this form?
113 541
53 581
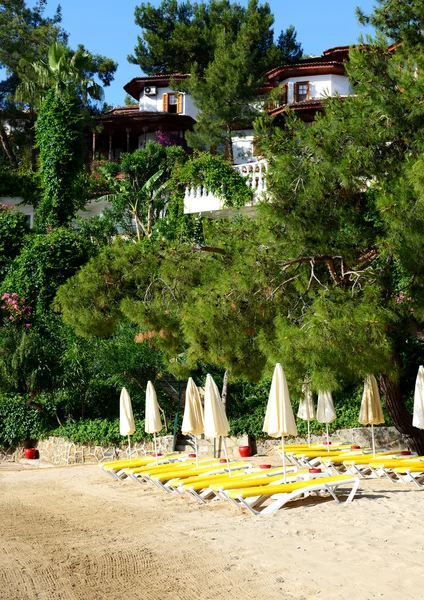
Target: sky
107 27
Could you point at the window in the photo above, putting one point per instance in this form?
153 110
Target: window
301 91
172 103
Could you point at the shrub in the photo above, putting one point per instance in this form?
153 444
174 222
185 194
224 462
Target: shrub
19 422
101 432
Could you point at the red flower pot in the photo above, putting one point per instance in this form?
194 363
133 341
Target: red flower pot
245 451
264 466
30 452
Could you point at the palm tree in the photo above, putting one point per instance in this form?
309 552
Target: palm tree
63 71
145 202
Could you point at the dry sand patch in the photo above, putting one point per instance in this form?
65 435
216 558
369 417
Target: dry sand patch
73 533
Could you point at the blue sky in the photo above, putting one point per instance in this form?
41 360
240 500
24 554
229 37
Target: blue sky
108 28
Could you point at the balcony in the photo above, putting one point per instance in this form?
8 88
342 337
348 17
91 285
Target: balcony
198 200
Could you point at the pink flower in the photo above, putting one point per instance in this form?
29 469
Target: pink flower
3 307
27 325
51 247
10 318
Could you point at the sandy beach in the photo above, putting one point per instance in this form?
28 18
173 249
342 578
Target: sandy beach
73 533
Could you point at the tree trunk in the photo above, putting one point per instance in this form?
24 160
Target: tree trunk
400 416
225 391
30 401
7 147
229 146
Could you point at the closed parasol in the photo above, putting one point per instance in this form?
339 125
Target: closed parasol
371 412
193 414
126 418
279 418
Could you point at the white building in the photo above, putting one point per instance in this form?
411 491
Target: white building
163 111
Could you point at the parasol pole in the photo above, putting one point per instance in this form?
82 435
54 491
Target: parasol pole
226 455
284 458
309 433
373 440
197 452
328 441
129 448
156 451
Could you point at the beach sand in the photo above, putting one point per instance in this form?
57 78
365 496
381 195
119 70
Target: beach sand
73 533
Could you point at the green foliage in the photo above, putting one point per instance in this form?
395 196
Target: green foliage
218 177
248 402
144 195
117 271
101 432
59 135
234 73
13 227
23 185
290 50
46 262
19 422
25 30
176 35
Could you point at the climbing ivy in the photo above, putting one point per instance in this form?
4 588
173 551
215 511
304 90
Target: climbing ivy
217 176
59 136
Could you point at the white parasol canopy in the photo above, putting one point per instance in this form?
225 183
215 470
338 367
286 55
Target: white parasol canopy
126 417
279 418
371 412
215 420
418 418
325 410
152 422
193 413
306 410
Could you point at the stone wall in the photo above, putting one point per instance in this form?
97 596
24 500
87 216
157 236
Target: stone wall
59 451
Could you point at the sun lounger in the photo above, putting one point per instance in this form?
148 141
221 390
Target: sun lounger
387 467
118 468
309 457
361 465
212 469
281 494
335 461
142 474
201 488
411 473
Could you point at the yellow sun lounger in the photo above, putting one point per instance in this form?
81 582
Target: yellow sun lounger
201 488
308 457
281 494
141 474
214 468
360 464
411 473
387 467
217 488
118 468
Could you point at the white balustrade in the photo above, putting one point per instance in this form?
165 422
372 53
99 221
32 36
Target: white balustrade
198 199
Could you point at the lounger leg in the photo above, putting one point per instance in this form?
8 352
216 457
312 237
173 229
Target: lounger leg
195 495
279 501
332 490
415 480
223 495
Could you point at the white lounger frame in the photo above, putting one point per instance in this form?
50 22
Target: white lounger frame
280 500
